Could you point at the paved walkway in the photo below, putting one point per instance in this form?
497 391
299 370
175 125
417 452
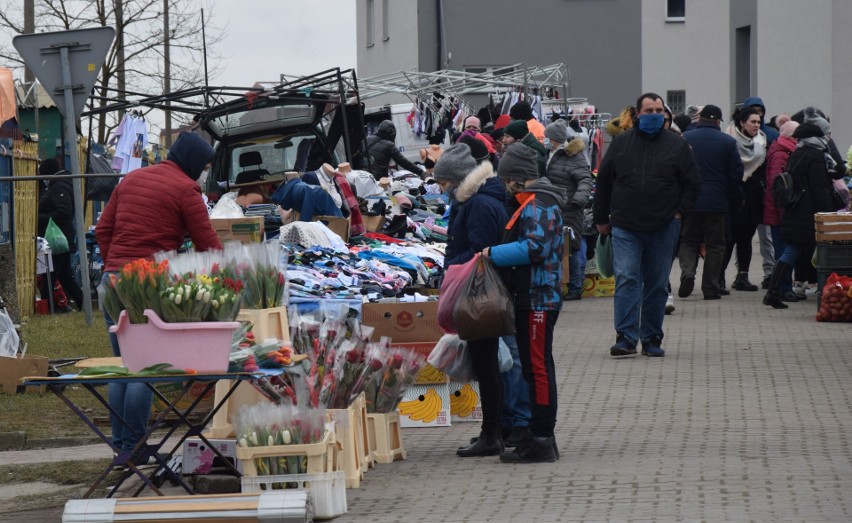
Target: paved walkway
746 419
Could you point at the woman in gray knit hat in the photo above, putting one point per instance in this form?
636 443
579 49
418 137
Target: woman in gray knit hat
477 218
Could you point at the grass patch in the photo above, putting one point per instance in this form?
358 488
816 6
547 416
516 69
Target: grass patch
57 336
60 473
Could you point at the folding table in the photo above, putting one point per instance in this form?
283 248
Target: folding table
145 449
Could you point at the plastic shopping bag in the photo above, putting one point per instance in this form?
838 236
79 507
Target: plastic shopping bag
504 356
603 255
55 238
452 357
452 285
9 339
485 308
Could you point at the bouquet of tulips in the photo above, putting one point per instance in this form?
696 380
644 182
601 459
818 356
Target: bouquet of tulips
136 287
258 267
265 424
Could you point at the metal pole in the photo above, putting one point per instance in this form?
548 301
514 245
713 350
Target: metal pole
71 149
344 119
167 70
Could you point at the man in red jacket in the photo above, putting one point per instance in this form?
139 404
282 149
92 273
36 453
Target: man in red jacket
150 211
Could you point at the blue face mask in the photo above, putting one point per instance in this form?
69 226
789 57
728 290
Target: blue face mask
547 143
651 123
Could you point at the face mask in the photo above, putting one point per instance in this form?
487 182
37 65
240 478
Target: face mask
547 143
651 123
202 178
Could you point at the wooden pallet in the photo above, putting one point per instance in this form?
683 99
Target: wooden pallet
833 226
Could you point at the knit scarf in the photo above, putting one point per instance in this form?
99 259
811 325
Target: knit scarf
356 221
821 144
752 150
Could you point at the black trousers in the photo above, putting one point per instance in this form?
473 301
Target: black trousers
486 368
742 234
709 228
63 273
535 345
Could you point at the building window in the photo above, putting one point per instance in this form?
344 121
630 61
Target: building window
675 10
371 16
676 100
385 24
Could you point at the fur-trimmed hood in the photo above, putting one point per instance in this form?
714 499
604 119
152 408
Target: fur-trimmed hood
574 146
613 127
474 180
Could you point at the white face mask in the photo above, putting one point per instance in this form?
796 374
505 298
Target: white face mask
202 178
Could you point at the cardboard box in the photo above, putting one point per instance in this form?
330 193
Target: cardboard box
248 229
199 459
433 412
373 223
13 369
595 285
411 326
340 226
465 403
171 392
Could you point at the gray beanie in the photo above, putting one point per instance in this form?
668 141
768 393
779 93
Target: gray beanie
557 131
813 117
455 163
518 162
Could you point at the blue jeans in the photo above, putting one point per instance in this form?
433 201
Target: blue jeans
516 392
779 247
792 251
642 262
575 271
132 401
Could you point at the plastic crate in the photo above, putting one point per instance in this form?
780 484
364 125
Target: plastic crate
385 437
328 489
321 456
829 255
351 433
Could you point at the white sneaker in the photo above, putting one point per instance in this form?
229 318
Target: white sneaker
798 287
670 304
811 289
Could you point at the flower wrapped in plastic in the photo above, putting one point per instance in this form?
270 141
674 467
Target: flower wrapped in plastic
399 372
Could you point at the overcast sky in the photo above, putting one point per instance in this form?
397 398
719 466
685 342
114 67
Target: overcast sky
264 39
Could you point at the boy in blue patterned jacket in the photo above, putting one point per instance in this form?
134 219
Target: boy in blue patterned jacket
532 248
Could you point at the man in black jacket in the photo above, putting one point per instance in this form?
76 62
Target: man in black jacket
382 149
647 182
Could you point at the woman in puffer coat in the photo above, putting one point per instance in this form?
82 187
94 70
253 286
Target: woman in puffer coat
568 169
777 158
809 167
477 218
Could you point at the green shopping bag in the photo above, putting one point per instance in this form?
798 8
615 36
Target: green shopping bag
603 255
56 238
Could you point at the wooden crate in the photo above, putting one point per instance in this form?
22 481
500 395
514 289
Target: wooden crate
267 323
351 433
833 226
322 456
385 437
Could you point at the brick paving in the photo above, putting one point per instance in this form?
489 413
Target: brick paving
747 418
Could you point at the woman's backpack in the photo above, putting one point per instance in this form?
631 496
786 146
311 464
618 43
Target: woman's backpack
784 192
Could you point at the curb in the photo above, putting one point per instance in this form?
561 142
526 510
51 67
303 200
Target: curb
19 441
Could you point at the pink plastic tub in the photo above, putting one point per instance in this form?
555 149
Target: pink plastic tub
204 346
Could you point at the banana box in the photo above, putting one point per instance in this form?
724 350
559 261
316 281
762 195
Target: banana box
425 406
464 402
596 285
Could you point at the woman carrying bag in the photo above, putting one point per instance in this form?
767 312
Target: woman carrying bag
477 218
57 203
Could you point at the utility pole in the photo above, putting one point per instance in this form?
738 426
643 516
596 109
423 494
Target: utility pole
29 28
167 73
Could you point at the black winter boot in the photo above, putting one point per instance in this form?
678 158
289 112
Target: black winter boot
488 444
742 283
773 296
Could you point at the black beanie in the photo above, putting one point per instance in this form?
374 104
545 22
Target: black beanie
518 162
477 148
517 129
808 130
49 166
521 111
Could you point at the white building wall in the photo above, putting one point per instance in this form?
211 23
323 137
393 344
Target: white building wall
693 55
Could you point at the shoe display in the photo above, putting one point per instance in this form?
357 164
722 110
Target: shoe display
533 449
686 285
652 348
670 308
742 283
516 436
622 348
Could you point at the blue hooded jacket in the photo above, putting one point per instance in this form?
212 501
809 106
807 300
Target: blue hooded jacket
478 215
719 166
771 134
